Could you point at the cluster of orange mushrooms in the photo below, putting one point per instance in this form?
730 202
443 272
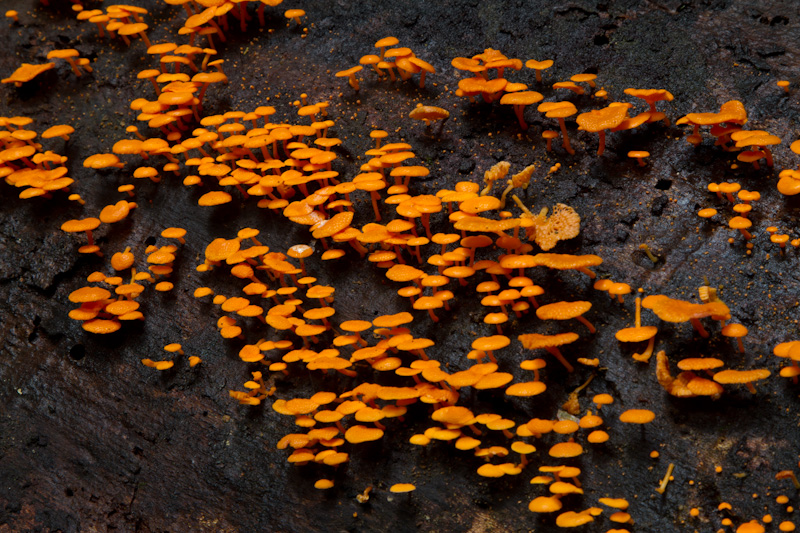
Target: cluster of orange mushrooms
438 248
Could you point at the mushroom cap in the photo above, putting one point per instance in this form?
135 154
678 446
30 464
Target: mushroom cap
102 326
602 119
539 65
386 41
429 112
100 161
754 139
734 330
27 71
597 437
522 98
650 95
78 225
700 363
89 294
580 78
566 449
349 72
672 310
639 334
495 342
740 223
637 416
563 487
132 28
545 504
213 198
454 415
58 131
750 527
727 377
115 212
567 261
563 310
532 341
526 389
573 519
403 273
703 387
391 321
398 488
220 249
557 109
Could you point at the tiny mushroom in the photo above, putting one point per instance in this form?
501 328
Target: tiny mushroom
350 74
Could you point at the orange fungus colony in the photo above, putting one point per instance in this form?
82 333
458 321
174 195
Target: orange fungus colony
440 248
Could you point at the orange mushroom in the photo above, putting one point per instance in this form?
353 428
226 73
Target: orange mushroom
560 111
350 74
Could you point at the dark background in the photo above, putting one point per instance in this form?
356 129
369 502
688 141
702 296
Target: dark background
91 440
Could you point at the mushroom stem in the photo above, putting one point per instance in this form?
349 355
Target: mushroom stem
374 195
644 357
699 327
555 352
72 64
602 146
565 140
588 272
646 249
768 156
518 110
587 324
750 387
663 486
788 474
433 316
